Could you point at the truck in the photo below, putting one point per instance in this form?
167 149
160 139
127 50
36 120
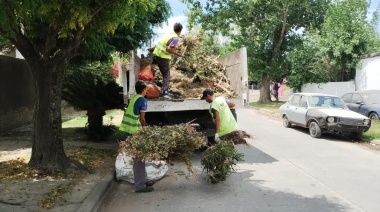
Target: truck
196 111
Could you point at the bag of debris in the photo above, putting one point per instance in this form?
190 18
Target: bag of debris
155 170
153 91
146 74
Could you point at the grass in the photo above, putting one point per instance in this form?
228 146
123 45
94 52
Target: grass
271 106
374 132
75 129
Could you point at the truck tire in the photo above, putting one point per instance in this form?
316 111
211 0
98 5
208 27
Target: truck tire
314 130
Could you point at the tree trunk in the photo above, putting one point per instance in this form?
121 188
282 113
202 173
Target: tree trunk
264 89
278 39
95 123
47 144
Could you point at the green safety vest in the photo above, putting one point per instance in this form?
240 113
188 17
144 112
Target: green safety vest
160 49
227 121
131 122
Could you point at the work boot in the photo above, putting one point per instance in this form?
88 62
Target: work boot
145 190
149 183
165 95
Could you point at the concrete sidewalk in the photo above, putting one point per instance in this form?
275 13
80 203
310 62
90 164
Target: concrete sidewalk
23 195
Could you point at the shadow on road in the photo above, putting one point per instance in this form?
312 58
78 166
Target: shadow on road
254 155
325 136
240 192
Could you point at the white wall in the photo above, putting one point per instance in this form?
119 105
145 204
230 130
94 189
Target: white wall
368 74
237 72
333 88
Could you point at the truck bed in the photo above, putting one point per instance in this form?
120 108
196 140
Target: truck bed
182 105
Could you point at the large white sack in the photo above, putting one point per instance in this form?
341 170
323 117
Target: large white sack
155 170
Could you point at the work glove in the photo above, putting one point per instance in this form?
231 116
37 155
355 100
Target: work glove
217 139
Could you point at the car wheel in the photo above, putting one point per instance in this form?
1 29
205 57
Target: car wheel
285 122
314 130
373 116
356 136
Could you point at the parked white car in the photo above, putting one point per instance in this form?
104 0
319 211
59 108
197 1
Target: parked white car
323 113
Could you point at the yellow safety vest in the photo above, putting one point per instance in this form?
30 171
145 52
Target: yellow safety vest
131 122
227 121
160 49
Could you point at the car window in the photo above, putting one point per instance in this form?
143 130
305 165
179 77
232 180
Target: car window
326 101
315 101
372 98
347 98
295 100
356 98
303 102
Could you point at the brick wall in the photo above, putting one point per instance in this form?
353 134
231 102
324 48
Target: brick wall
16 94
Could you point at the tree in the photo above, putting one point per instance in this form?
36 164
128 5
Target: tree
49 34
332 52
266 28
86 91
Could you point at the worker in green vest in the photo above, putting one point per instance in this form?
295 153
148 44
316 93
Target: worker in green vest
162 55
221 114
133 121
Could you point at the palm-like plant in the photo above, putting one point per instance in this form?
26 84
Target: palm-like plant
86 91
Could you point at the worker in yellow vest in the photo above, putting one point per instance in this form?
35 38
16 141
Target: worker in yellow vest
133 121
221 114
162 55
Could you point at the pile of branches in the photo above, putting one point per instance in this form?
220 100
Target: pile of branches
196 71
237 137
174 143
220 160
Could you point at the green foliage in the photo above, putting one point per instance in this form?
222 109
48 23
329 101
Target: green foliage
49 33
265 28
5 45
100 69
219 161
126 38
52 26
332 52
86 91
169 142
374 132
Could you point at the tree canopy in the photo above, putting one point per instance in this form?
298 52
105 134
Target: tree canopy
332 52
49 33
267 28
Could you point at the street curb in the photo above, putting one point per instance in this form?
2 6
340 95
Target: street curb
94 199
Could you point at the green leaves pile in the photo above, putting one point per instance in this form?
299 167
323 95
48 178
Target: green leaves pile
170 143
219 161
178 142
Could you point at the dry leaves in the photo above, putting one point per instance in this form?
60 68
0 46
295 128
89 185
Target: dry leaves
169 143
194 72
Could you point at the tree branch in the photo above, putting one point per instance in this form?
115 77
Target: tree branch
282 33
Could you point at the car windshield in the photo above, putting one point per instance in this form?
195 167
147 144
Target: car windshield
371 98
326 101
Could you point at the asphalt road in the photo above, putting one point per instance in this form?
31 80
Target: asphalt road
284 170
